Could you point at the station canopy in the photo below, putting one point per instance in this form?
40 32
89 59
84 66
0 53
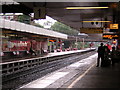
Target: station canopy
76 14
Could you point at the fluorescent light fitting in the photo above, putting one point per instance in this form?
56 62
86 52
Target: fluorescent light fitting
96 21
86 7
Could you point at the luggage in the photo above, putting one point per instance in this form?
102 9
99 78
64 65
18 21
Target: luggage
106 63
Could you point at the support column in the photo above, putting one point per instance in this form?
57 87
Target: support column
83 43
118 21
76 43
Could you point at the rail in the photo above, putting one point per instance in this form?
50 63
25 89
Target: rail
22 65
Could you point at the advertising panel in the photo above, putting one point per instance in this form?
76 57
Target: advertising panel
15 45
113 27
110 36
91 30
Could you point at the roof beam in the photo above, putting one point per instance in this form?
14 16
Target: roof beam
16 9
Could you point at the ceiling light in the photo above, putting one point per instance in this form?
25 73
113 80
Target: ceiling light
86 7
96 21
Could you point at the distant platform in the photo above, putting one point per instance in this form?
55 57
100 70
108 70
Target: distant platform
50 55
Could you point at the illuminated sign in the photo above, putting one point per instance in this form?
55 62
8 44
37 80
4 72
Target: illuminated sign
52 40
110 36
114 42
91 30
113 26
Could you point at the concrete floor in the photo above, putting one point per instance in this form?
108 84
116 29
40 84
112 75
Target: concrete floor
101 77
83 75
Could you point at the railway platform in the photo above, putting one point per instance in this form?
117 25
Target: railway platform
53 54
19 72
82 74
99 78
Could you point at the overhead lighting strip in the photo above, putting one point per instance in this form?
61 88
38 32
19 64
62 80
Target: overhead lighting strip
86 7
95 21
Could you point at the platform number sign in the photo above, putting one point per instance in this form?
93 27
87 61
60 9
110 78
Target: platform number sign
39 13
114 27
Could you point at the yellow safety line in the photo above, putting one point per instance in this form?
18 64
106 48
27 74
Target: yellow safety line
74 82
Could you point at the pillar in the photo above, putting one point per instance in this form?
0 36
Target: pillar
118 21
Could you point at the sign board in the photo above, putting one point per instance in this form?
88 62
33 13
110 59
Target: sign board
113 26
91 30
52 40
39 13
110 36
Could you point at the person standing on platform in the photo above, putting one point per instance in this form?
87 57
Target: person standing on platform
109 46
32 52
100 51
106 62
113 56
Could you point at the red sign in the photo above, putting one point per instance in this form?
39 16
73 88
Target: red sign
18 45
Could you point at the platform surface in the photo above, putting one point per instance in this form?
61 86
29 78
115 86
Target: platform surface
81 74
48 55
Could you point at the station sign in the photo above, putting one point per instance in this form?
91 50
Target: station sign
39 12
113 26
52 40
91 30
110 36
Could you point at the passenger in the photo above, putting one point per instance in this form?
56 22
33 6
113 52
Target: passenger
90 45
118 54
107 52
113 56
32 52
109 46
100 51
106 61
42 51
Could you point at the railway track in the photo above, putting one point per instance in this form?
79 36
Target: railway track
15 80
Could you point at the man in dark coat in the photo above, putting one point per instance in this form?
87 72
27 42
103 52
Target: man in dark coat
32 52
100 51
